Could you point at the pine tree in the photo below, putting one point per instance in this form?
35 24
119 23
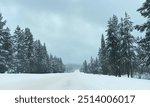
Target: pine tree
145 42
45 59
126 48
28 45
5 47
113 46
96 69
140 61
19 50
37 59
91 66
51 63
61 66
55 65
84 67
103 56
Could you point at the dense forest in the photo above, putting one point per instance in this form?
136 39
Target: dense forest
121 52
20 53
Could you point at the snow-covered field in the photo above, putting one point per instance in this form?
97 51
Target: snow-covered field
70 81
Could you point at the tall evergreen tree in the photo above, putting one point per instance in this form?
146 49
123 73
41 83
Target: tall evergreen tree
113 45
145 42
45 59
20 50
61 67
126 48
96 69
103 56
84 67
51 63
5 47
38 57
91 66
28 45
140 61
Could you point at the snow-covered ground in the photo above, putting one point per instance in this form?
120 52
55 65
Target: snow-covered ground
70 81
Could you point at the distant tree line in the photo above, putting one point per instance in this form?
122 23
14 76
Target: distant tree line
19 53
121 53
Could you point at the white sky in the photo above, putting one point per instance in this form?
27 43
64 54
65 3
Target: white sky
71 29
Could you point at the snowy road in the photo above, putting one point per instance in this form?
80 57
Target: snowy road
70 81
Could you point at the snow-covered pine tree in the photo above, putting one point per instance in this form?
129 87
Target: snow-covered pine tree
140 61
84 67
58 66
61 66
91 66
28 45
145 42
103 56
20 51
37 57
96 69
127 54
55 64
51 69
45 59
5 47
113 46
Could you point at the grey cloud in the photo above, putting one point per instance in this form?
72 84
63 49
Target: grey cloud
70 28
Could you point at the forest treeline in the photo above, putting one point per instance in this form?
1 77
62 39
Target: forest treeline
121 52
20 53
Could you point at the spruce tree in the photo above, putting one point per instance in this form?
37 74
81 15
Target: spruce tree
126 49
103 56
145 42
61 66
91 66
38 57
51 63
28 45
140 61
45 59
20 50
5 47
113 45
84 67
96 69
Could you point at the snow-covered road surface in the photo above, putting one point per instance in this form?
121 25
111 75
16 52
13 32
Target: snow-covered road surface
70 81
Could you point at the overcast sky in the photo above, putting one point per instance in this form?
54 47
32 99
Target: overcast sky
71 29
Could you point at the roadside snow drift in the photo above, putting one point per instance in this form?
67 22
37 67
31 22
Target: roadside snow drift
70 81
